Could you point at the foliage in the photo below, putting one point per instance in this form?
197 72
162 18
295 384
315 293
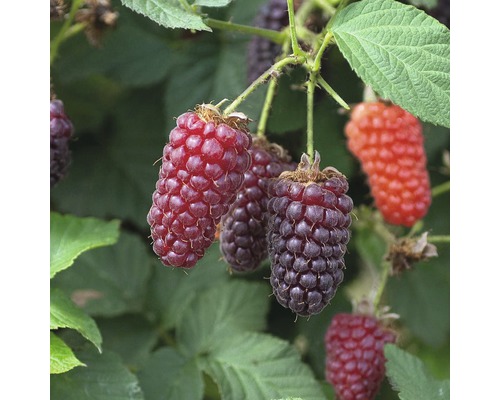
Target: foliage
124 326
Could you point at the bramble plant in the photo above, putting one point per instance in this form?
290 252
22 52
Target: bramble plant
250 199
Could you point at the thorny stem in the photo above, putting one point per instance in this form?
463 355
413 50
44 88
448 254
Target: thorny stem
62 34
274 36
271 89
324 84
440 189
293 32
277 67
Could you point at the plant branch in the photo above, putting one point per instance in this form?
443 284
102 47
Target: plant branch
386 270
274 36
266 108
311 85
440 189
277 67
324 84
297 51
62 34
438 239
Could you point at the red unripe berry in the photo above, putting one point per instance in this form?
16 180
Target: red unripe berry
203 167
355 362
389 144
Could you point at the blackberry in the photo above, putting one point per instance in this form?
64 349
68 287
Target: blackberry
243 241
262 52
307 235
61 132
355 362
202 169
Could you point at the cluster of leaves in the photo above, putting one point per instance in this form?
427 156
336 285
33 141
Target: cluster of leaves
124 326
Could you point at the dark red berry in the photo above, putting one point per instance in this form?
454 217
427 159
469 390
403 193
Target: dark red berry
61 131
307 235
202 169
262 52
388 142
243 241
355 362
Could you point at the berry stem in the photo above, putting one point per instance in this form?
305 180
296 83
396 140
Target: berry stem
297 51
438 239
266 108
386 270
277 67
440 189
62 34
274 36
324 84
311 85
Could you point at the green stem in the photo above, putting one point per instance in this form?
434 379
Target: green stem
277 67
326 6
271 89
386 270
324 84
293 32
62 35
311 85
274 36
438 239
440 189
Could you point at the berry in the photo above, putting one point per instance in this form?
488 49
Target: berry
243 241
202 169
355 362
262 52
388 142
61 131
307 235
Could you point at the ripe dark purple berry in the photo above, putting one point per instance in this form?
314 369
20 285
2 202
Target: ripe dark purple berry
307 235
262 52
202 169
61 132
243 241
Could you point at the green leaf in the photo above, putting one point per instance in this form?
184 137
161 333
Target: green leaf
250 365
172 290
409 376
65 314
168 13
130 55
170 375
209 70
212 3
130 336
401 52
104 378
127 150
422 298
62 358
221 310
70 236
110 281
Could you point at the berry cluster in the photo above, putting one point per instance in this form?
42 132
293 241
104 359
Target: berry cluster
355 362
307 235
61 131
243 241
202 169
262 52
388 141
